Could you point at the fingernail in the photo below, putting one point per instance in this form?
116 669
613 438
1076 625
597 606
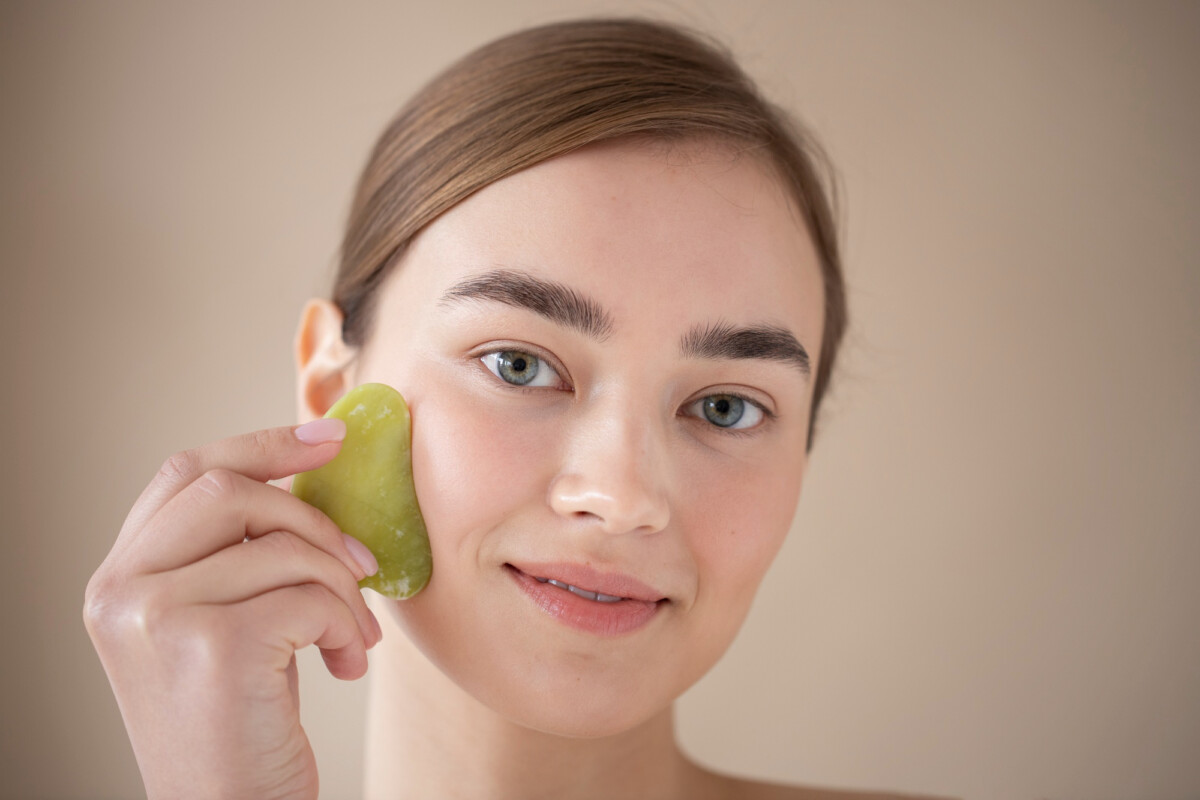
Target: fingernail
361 554
320 431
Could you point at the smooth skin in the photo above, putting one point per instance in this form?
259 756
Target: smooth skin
608 466
607 461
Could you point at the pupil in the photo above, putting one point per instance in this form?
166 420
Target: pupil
723 410
517 368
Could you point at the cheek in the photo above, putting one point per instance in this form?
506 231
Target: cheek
737 527
473 468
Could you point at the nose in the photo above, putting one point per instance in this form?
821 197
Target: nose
614 474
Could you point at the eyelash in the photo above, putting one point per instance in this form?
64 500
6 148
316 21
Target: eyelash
767 415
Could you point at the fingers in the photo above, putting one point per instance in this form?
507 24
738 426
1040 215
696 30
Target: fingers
270 562
297 616
246 648
221 508
261 456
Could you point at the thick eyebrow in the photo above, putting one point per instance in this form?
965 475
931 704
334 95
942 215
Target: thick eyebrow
770 342
554 301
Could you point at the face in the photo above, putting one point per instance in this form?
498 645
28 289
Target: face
605 359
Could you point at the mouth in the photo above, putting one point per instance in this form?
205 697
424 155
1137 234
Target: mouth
597 596
590 583
589 600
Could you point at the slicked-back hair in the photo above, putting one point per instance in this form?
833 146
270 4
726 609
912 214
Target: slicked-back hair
549 90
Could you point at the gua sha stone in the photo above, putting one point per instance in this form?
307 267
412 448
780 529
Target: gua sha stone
367 489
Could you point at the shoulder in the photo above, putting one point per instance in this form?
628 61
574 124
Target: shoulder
725 786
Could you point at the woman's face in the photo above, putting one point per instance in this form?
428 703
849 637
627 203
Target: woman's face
606 359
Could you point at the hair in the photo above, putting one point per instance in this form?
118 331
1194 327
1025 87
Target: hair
549 90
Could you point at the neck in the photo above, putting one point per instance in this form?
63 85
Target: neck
428 738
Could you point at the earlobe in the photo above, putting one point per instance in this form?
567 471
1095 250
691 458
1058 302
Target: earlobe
324 362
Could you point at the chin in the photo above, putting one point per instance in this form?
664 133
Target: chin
567 694
563 692
578 713
544 677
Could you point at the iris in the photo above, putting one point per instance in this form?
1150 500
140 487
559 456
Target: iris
517 368
724 410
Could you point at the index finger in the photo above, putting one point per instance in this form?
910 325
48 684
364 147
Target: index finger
262 455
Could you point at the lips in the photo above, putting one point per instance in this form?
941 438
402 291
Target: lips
605 604
589 582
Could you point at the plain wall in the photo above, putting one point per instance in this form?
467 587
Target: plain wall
991 589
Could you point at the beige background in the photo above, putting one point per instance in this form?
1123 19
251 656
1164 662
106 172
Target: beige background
993 583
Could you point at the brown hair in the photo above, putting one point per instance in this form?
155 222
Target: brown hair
546 91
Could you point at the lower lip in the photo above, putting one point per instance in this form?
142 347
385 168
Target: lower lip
592 616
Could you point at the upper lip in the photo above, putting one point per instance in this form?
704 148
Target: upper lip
583 576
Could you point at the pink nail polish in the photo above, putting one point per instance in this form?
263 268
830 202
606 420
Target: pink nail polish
361 554
320 431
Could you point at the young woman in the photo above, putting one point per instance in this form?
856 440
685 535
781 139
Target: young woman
604 274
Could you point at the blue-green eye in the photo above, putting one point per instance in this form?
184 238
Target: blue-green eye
520 368
728 411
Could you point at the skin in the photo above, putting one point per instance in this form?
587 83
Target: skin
612 469
476 691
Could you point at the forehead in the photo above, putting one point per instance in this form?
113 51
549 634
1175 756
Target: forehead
662 235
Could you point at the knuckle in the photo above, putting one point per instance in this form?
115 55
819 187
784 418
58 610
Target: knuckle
148 619
262 444
205 640
143 622
219 483
197 636
179 468
98 604
116 610
318 593
280 546
191 641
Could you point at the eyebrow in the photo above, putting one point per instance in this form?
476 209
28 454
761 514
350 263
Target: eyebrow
554 301
564 306
768 342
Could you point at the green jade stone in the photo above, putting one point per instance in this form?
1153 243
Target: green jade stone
367 489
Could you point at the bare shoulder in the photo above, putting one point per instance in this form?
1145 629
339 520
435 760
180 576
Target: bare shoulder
725 786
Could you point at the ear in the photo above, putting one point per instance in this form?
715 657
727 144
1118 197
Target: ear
324 363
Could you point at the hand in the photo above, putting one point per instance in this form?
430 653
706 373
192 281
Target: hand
214 582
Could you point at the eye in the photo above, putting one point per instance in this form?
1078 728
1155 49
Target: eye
520 368
728 411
